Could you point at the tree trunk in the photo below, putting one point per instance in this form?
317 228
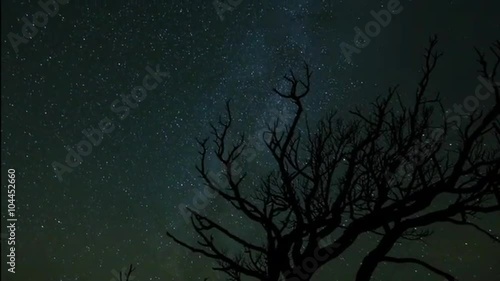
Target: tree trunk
371 261
367 268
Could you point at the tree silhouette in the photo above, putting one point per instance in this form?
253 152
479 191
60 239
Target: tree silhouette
385 172
127 276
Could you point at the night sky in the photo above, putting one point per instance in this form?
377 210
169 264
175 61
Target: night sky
114 208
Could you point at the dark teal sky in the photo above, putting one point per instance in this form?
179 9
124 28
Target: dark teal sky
114 208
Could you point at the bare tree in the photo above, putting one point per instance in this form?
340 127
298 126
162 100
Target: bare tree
379 172
127 275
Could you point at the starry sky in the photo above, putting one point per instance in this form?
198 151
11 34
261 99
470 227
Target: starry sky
114 208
